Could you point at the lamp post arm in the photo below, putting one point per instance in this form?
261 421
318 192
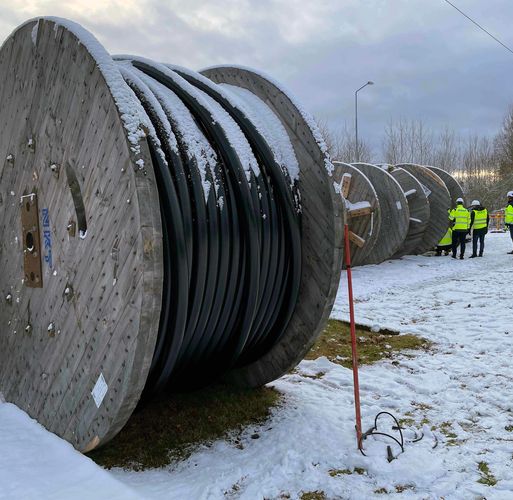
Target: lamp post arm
357 152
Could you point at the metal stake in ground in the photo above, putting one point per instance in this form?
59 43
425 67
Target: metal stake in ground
353 338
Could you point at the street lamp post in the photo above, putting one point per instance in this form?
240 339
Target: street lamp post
356 118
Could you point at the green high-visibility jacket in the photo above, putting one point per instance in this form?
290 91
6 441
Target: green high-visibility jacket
508 214
447 239
480 218
461 218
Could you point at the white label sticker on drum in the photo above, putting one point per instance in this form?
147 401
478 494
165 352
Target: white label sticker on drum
398 205
99 390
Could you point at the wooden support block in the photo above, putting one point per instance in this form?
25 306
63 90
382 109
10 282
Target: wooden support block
359 212
357 240
346 185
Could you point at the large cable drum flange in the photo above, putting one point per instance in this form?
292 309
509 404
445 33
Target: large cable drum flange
439 204
455 190
363 212
418 205
161 229
395 214
322 214
77 336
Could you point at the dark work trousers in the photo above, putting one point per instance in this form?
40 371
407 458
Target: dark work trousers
511 231
478 235
458 240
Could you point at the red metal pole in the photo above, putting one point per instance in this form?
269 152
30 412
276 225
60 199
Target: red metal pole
353 337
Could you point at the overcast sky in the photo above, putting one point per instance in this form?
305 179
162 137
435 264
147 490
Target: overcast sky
428 62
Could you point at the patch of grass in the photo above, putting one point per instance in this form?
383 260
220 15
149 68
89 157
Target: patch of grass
400 488
317 376
234 491
406 422
335 344
486 475
313 495
341 472
509 428
447 430
381 491
177 424
421 406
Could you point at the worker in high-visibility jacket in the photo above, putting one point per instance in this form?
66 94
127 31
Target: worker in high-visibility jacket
445 244
479 220
508 216
460 218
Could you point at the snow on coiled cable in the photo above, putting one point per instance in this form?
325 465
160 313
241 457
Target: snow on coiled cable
231 223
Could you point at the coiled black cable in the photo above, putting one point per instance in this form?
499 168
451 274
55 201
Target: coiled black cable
232 261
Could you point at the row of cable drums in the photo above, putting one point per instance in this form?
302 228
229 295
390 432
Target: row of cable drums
394 210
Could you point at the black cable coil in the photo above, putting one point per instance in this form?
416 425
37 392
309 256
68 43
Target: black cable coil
231 227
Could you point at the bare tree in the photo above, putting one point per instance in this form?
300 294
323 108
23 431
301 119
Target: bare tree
504 145
479 174
408 141
447 151
342 145
482 165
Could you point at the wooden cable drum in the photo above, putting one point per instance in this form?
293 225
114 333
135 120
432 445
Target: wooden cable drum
418 205
394 213
362 210
160 230
455 190
439 202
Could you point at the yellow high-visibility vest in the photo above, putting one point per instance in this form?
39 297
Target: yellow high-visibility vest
508 214
447 239
461 217
480 217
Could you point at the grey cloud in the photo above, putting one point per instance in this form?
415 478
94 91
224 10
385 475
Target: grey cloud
428 62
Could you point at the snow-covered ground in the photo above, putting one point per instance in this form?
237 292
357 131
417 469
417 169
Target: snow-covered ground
463 388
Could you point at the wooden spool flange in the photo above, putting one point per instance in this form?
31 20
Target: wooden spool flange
322 222
75 351
395 215
418 205
455 190
439 203
364 224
